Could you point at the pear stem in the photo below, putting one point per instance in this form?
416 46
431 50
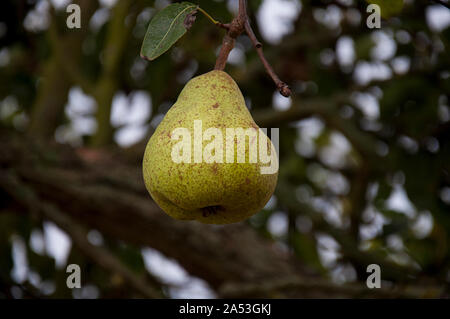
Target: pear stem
237 26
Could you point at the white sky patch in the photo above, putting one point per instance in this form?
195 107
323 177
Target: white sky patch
331 209
34 278
188 72
145 16
20 270
368 104
194 289
373 223
131 114
445 195
345 2
328 250
132 109
276 17
401 64
80 103
80 110
402 37
345 51
167 270
8 106
277 224
99 18
137 70
57 243
366 72
130 135
330 17
4 57
171 272
307 130
84 126
60 4
37 242
119 109
38 19
438 17
327 57
108 3
395 242
335 154
385 46
408 144
95 237
402 258
272 203
398 201
237 56
423 225
343 273
281 103
372 191
233 6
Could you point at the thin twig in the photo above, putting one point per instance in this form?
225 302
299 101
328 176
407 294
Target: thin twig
281 86
225 26
243 10
235 28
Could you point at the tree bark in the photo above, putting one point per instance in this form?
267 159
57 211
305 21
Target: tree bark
98 189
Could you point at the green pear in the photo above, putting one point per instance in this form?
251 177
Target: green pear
194 167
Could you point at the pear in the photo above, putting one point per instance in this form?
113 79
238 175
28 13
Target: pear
211 185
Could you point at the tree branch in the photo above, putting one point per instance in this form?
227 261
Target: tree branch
109 195
106 86
77 233
235 28
282 87
286 287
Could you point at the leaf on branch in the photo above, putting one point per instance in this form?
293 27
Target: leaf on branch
166 27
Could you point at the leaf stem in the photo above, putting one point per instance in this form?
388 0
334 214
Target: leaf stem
208 16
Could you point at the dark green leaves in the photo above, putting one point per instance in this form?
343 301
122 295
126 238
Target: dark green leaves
166 27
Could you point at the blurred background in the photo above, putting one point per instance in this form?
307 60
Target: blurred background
364 152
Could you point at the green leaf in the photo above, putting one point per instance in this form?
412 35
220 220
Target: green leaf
166 27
